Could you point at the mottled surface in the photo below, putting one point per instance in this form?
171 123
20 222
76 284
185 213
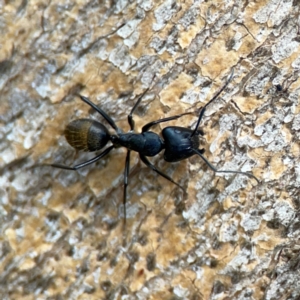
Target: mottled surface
62 234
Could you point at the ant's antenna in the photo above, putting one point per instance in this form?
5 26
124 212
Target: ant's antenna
197 151
225 171
210 101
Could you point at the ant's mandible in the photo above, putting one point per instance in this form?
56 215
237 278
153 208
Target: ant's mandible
178 143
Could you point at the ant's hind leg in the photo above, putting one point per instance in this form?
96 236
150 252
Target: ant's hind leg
101 112
79 166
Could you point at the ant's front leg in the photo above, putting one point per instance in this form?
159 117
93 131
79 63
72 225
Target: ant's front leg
151 166
149 125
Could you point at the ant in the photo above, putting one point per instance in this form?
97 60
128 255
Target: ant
178 143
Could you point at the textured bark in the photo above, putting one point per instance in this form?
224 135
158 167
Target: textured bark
62 234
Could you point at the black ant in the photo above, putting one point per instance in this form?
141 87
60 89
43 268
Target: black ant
178 142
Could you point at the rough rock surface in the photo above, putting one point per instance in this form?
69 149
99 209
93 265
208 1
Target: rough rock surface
62 233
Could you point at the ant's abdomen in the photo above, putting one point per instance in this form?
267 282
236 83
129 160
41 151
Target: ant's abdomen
86 135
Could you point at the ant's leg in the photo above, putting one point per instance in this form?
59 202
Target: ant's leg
210 101
129 117
105 152
221 171
126 174
101 112
149 125
151 166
